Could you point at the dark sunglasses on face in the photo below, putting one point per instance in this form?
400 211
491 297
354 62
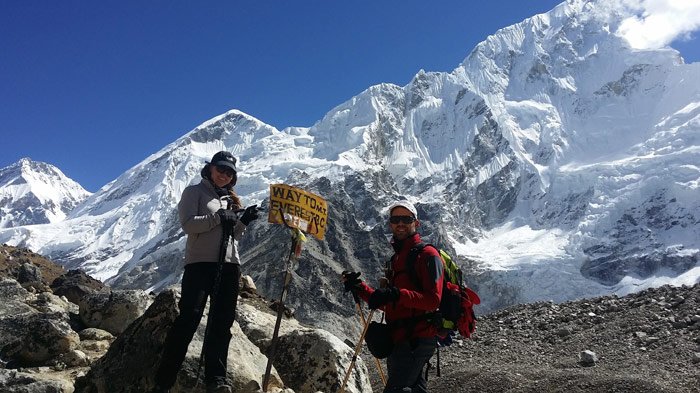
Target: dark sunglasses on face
401 219
225 170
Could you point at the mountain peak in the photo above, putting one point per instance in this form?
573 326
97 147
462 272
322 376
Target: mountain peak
34 192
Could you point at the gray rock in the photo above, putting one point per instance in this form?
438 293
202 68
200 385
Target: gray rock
313 360
113 311
75 284
248 284
28 272
37 338
13 299
95 334
679 324
259 326
136 353
307 359
99 346
588 358
246 365
12 381
563 332
74 358
48 302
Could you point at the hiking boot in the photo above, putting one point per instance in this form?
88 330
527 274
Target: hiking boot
218 388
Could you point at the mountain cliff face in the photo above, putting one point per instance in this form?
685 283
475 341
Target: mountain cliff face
34 192
555 162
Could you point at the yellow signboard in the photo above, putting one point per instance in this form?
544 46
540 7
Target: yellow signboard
301 209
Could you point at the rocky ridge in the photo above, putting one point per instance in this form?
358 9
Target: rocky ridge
28 267
111 340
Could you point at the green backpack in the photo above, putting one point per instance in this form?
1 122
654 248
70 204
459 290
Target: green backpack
455 312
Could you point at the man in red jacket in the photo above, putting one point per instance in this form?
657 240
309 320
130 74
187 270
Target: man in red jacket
404 303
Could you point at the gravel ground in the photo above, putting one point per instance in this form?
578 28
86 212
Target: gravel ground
645 342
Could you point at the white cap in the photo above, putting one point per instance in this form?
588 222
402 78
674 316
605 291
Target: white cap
405 204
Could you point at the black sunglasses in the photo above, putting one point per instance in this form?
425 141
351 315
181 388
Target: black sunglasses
225 170
401 219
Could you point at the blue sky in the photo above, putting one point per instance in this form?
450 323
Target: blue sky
96 87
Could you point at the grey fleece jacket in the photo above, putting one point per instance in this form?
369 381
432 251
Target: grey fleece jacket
197 210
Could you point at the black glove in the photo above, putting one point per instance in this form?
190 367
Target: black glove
250 214
382 296
228 217
351 281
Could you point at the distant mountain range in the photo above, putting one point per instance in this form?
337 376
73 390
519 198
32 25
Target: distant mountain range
555 162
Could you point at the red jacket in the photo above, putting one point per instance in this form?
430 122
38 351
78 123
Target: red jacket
413 301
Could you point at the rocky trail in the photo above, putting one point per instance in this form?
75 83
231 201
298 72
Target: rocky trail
644 342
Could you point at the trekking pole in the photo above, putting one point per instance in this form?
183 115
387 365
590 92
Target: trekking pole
438 361
358 348
226 232
271 352
364 323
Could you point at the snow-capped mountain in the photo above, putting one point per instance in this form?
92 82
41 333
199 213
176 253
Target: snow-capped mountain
555 162
33 192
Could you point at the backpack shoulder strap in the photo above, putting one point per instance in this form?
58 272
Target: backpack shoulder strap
411 262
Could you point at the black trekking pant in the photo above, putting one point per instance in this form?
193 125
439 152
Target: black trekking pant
405 365
197 285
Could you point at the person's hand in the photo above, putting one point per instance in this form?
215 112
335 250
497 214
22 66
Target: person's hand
228 217
250 214
382 296
351 281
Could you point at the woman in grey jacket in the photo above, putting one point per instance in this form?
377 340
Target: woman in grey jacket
204 216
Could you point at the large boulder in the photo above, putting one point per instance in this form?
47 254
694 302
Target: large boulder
13 299
94 343
34 339
259 325
136 353
113 311
30 277
308 359
48 302
29 337
246 366
313 360
12 304
75 284
29 272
